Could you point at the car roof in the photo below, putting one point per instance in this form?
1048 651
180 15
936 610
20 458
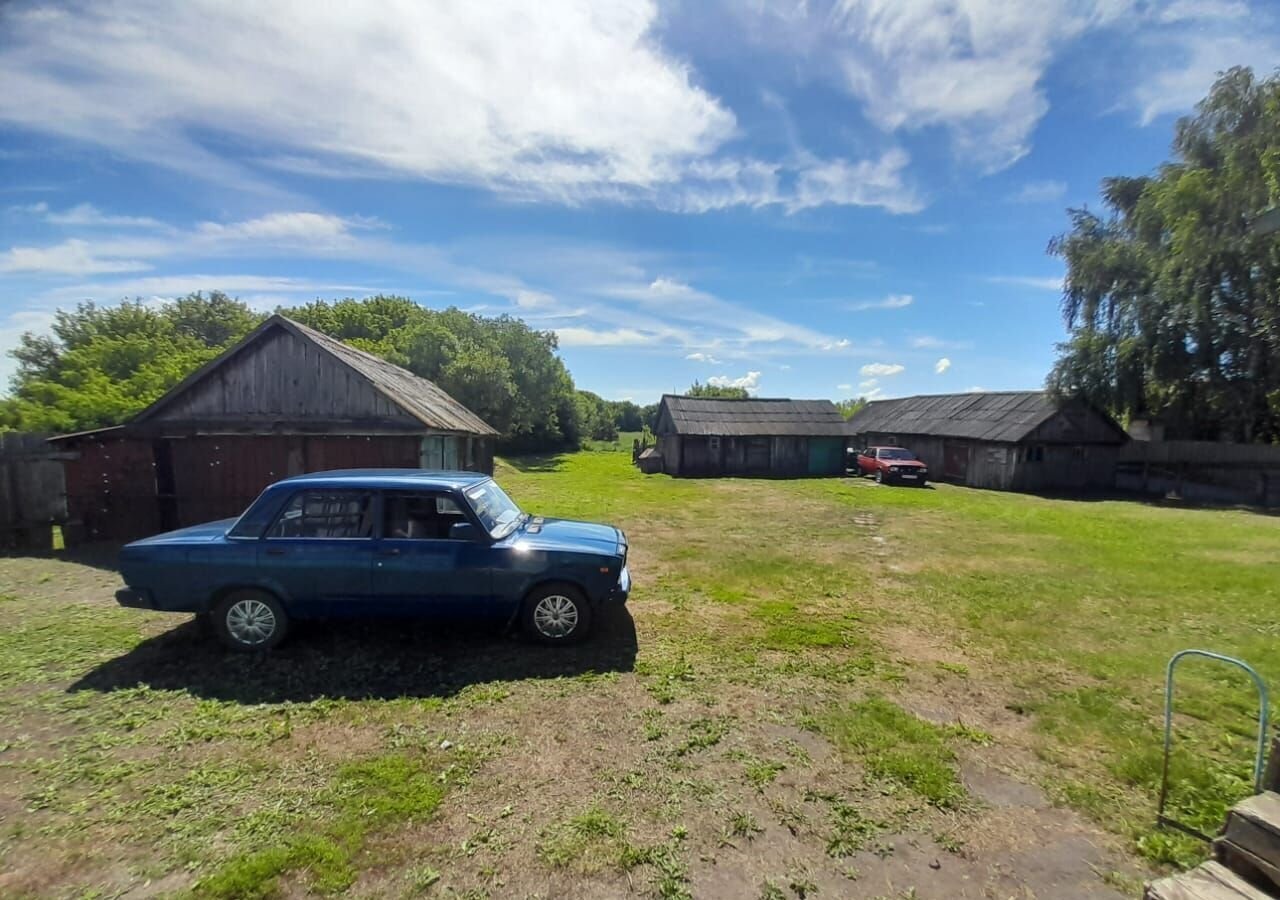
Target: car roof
388 478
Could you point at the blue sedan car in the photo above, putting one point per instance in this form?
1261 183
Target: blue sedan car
381 542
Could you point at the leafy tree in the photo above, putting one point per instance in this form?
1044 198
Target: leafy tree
103 364
850 408
595 418
1172 300
711 391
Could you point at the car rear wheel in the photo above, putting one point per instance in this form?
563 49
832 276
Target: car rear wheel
250 621
556 614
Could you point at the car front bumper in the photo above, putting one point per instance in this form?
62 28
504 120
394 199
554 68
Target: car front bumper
134 599
622 589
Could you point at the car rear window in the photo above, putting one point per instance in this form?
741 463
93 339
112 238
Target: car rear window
325 514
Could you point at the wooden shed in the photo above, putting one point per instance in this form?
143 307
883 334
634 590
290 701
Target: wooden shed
787 438
1009 440
285 400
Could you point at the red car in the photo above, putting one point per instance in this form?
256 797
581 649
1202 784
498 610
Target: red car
892 465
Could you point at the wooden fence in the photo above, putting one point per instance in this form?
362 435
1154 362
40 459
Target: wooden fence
1202 471
33 493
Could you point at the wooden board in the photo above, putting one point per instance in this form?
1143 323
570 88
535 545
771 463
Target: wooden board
1254 826
1209 881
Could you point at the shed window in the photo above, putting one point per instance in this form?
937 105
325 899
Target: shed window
713 444
325 514
1035 453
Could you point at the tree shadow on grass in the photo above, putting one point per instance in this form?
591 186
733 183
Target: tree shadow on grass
359 661
542 462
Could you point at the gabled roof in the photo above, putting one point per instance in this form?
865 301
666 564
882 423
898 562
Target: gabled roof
419 398
753 417
1008 416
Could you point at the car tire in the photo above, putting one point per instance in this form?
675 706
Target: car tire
556 614
249 621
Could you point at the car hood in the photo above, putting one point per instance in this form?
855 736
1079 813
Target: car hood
566 534
195 534
904 463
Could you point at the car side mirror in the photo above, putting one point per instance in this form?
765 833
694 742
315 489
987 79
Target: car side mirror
463 531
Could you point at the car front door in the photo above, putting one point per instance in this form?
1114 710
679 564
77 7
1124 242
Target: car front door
319 552
421 568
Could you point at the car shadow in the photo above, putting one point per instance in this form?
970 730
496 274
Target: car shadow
358 661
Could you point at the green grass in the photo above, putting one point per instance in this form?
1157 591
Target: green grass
758 605
897 746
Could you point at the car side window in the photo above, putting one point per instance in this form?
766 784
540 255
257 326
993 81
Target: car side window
325 514
419 515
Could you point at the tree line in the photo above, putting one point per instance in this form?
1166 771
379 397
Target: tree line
101 364
1172 292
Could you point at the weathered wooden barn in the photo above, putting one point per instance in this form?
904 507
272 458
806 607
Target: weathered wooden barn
792 438
1011 441
285 400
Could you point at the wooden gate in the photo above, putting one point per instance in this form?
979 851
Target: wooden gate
33 491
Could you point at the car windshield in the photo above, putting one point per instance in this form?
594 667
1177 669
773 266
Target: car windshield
496 511
896 453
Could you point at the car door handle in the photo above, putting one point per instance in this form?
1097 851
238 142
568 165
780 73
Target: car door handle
389 551
275 551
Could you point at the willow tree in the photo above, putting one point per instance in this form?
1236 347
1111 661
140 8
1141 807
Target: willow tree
1172 297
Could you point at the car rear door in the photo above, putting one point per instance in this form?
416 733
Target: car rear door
420 570
319 552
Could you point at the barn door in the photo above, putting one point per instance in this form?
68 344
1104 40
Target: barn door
826 456
955 460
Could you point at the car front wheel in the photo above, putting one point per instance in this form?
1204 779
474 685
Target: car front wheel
556 614
250 621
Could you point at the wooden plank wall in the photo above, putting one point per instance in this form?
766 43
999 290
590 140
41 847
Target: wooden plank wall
218 477
1203 471
111 489
282 378
33 492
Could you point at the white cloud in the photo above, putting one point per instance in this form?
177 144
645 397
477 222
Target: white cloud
86 215
865 183
712 323
73 257
882 370
976 389
283 227
976 69
844 387
869 384
617 337
1028 281
703 357
893 301
439 91
750 382
1039 192
1194 57
942 365
267 289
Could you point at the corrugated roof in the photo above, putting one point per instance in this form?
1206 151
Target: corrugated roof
1007 416
769 417
418 397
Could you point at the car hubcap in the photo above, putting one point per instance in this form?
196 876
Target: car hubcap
555 616
251 622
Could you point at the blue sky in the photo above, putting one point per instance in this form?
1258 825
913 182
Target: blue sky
808 199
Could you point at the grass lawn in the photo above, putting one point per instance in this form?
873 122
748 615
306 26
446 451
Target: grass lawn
823 688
